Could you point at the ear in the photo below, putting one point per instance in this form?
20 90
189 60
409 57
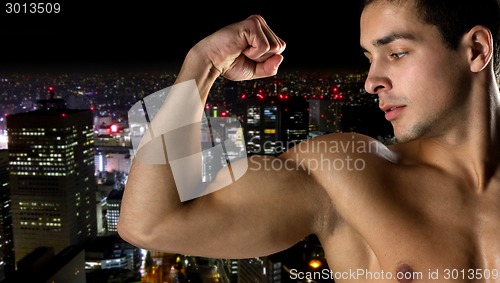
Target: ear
480 42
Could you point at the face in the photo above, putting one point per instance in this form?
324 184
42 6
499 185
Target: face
420 82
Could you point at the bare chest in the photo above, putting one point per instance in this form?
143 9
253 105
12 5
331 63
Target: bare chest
424 235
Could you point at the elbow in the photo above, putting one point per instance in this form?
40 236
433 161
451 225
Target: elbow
132 234
126 233
143 239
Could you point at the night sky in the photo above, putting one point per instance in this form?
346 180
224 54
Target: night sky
156 34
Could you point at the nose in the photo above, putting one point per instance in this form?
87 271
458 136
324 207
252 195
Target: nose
377 79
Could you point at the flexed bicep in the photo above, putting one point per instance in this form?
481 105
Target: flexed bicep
265 211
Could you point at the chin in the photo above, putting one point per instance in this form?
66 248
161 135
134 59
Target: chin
405 137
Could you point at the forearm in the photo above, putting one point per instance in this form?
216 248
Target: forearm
200 68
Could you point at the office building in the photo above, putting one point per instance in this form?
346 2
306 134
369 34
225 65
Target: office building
53 189
7 263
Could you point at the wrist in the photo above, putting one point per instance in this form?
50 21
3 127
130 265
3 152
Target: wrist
198 66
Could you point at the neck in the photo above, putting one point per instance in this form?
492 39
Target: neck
472 147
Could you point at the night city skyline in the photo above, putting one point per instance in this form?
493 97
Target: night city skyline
329 194
110 96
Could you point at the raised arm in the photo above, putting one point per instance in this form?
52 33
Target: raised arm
268 209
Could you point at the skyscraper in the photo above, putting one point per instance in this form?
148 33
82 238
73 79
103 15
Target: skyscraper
53 188
114 201
263 128
272 124
6 241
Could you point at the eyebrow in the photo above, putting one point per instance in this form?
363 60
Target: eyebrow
390 38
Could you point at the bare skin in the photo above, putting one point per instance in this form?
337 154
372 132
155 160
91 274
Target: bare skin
430 202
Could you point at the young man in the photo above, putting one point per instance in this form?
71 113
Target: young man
427 206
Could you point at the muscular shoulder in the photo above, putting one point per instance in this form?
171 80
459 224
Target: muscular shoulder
341 145
350 168
344 164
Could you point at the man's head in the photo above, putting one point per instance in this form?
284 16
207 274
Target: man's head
429 61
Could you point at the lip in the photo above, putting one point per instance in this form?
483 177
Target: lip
392 111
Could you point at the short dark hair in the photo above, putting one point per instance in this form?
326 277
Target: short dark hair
454 18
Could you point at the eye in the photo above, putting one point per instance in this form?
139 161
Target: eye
398 55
